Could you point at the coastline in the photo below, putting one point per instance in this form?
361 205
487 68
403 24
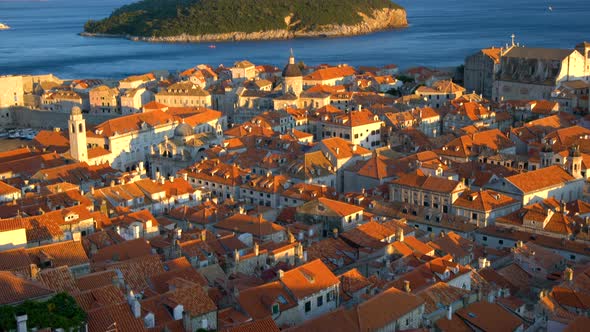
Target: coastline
381 20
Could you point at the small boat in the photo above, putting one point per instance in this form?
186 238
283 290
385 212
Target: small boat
550 8
212 46
4 26
13 134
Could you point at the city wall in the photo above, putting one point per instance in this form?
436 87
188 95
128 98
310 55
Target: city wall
24 117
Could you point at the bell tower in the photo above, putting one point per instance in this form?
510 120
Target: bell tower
292 77
77 128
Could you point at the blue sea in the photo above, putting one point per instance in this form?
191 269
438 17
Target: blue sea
44 38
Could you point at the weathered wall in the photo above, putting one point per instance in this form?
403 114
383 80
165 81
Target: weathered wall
24 117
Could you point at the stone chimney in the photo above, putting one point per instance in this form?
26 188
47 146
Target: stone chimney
483 262
136 308
400 234
204 235
407 288
34 271
236 256
568 274
178 312
21 323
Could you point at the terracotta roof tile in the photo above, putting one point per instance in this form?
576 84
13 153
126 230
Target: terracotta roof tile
384 308
309 279
265 324
100 297
15 290
117 316
540 179
489 317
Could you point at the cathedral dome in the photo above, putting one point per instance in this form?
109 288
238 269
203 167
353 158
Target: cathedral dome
183 130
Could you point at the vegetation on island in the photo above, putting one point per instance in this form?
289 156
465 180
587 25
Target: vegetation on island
61 311
162 18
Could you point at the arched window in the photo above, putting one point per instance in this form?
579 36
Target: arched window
80 128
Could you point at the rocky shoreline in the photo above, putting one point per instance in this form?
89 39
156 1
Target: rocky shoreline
385 19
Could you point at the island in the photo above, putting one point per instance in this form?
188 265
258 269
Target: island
232 20
4 26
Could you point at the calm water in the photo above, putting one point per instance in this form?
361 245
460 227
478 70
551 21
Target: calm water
44 38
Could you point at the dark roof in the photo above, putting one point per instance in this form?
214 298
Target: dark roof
538 53
292 70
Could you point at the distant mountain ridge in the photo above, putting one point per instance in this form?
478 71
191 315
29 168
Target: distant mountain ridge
209 20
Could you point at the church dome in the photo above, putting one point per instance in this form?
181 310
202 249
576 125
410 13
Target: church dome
183 130
76 110
292 69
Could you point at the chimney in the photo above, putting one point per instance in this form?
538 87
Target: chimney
185 176
407 288
256 249
337 151
136 308
400 234
162 180
178 233
281 274
203 235
568 274
178 312
304 256
450 312
149 320
21 323
92 190
483 262
335 233
171 179
236 256
112 183
34 271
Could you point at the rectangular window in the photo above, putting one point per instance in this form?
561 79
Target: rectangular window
308 306
320 301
